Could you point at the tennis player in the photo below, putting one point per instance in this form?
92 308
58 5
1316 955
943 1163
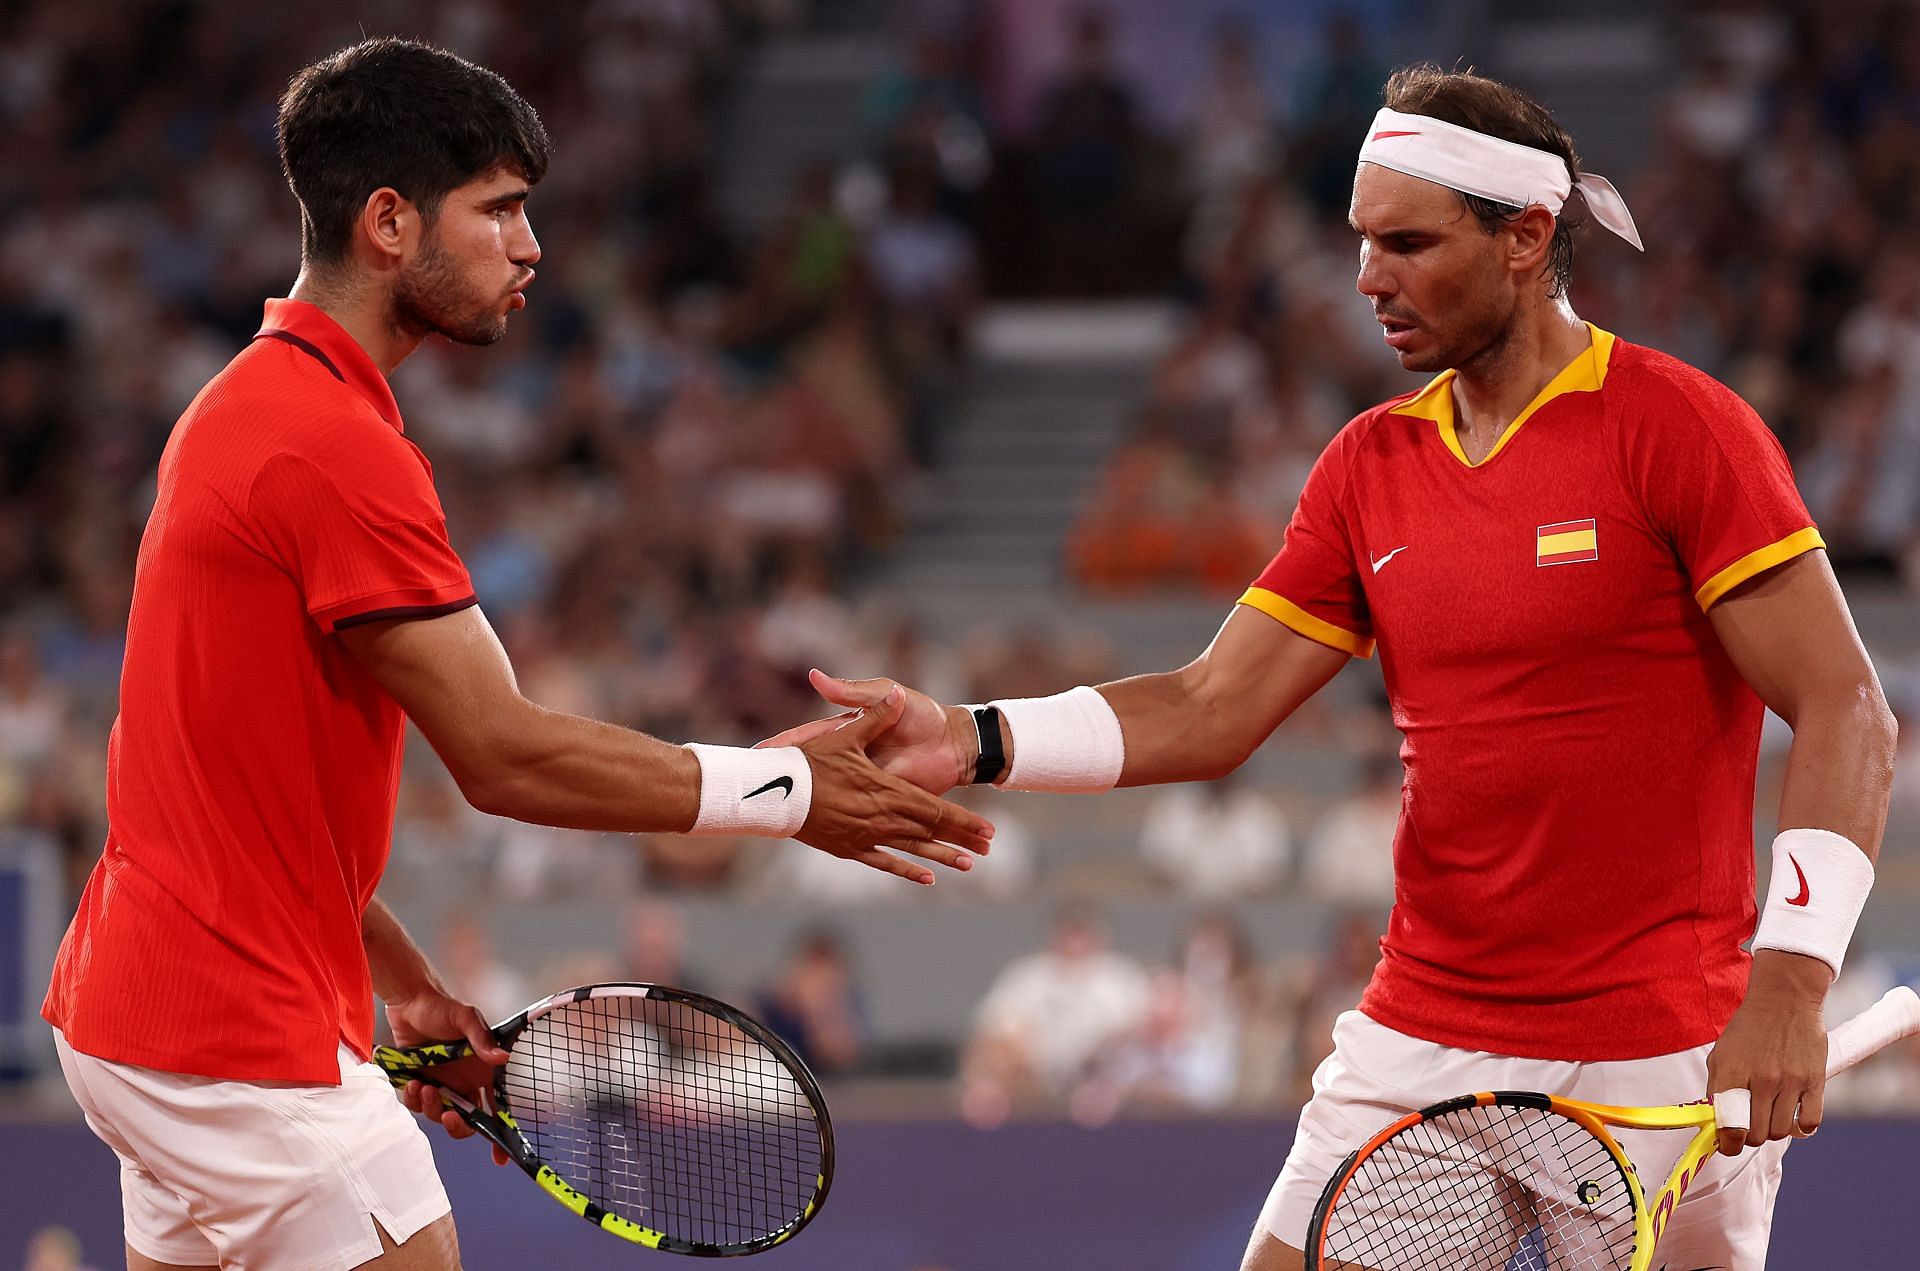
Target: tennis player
296 601
1586 570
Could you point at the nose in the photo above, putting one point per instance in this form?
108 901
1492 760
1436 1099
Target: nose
1373 281
526 248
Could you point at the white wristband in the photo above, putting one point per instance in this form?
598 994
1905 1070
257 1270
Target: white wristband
766 792
1819 885
1069 743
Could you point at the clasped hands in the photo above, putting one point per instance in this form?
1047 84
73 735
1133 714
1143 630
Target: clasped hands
878 769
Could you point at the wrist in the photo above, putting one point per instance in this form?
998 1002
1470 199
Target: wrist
963 740
764 792
1792 979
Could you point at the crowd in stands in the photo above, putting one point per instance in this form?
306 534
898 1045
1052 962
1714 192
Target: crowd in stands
667 477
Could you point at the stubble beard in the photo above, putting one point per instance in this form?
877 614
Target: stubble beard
431 297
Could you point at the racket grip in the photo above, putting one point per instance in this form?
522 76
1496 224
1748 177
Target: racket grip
1893 1017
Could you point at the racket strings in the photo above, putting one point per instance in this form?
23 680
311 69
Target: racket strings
1495 1188
667 1115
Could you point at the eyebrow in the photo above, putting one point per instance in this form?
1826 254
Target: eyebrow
511 196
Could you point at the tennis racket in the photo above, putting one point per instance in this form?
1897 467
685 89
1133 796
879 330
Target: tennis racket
1516 1181
662 1116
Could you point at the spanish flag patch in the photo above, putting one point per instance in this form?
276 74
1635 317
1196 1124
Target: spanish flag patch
1565 542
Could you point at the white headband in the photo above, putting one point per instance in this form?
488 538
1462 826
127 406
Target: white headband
1504 171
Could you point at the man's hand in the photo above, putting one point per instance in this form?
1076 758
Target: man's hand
432 1016
858 807
931 745
1776 1046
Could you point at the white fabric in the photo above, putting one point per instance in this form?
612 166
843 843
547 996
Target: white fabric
1819 886
1066 1010
1214 844
1490 167
1376 1075
251 1175
742 791
1069 743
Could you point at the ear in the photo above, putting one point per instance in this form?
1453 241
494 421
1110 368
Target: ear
390 226
1532 241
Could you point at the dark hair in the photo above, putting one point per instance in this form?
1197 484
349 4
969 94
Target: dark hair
1488 106
399 113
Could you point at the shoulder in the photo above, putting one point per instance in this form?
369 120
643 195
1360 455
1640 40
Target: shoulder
1651 387
272 399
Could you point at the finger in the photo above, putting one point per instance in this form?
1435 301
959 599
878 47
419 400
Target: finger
410 1096
1732 1109
888 863
800 734
951 823
454 1124
934 850
1766 1095
878 718
431 1106
1813 1107
500 1156
849 692
1784 1105
474 1027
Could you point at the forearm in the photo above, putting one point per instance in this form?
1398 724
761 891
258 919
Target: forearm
1840 768
1175 732
1839 772
551 768
399 968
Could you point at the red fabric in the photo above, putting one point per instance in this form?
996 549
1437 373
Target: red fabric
252 771
1574 858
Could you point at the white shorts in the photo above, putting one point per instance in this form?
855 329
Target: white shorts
248 1174
1377 1075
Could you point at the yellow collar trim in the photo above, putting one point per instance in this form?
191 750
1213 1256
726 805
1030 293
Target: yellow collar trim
1587 373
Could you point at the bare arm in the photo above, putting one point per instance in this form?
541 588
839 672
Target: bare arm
514 758
511 757
1791 637
1193 724
1203 720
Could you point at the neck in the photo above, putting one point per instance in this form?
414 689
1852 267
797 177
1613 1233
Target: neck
364 311
1495 385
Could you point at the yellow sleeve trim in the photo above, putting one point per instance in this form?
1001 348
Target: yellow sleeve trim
1794 544
1319 630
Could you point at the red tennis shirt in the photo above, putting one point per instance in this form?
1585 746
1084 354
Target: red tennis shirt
252 771
1574 859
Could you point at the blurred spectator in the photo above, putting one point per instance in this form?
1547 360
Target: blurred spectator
1086 151
1351 951
475 973
816 1005
1188 1053
653 945
1215 840
1048 1018
1349 856
33 708
54 1249
1231 139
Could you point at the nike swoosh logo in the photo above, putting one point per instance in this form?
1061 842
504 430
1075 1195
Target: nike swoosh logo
1379 135
783 784
1380 564
1806 893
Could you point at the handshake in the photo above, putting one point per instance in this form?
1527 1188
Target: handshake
877 770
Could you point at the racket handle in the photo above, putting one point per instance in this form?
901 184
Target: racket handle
1893 1017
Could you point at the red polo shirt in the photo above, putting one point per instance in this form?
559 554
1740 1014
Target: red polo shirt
1574 861
252 771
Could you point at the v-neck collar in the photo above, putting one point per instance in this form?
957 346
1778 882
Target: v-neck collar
1587 373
